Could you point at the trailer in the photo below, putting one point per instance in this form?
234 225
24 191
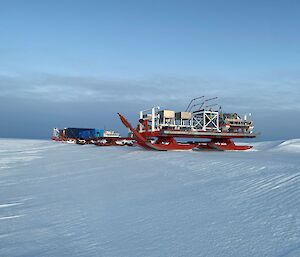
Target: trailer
98 137
158 129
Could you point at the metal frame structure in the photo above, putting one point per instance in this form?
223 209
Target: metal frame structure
205 120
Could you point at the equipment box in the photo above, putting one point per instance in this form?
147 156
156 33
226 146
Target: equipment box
168 114
183 115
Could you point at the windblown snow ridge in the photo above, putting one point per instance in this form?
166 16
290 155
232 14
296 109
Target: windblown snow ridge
292 145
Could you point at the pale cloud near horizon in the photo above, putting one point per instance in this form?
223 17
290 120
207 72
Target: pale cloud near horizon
37 102
263 93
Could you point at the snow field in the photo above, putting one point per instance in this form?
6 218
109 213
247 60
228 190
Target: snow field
69 200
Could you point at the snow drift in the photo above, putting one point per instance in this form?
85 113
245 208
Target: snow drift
289 146
69 200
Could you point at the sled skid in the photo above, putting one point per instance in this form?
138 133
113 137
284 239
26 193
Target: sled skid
223 145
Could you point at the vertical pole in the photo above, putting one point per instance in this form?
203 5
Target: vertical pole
218 122
204 120
145 123
153 119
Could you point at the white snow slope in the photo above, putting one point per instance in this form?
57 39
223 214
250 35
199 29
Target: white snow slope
69 200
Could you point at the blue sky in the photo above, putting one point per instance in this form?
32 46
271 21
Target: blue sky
76 63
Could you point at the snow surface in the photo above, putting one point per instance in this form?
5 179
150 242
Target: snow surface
68 200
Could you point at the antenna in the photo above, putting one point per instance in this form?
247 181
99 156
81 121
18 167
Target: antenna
210 99
196 105
193 101
211 105
205 101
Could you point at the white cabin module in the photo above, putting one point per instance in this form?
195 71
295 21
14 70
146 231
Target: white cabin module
110 133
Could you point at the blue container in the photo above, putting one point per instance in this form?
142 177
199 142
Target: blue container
85 133
99 132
